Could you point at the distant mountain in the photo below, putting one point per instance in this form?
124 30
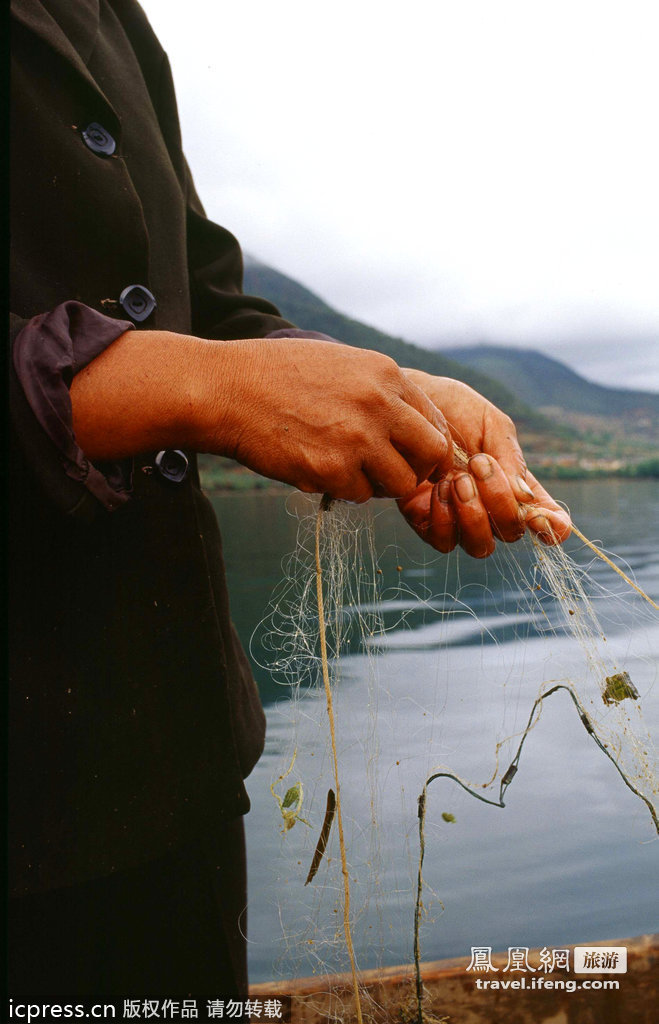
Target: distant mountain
304 308
568 426
547 383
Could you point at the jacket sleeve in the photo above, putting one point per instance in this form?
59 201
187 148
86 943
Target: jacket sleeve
215 263
46 353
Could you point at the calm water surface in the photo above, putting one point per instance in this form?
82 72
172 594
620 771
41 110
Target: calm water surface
571 857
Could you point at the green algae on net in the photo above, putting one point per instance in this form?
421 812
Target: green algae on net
618 687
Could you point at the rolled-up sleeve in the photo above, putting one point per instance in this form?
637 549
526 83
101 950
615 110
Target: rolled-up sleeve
47 352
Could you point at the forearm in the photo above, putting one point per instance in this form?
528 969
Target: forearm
152 389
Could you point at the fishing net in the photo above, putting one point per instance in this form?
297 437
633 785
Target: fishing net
414 689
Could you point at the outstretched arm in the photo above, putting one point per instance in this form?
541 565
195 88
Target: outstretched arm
323 417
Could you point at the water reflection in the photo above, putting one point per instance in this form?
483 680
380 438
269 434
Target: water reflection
570 858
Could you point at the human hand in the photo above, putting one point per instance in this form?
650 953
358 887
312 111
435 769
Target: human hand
494 495
326 418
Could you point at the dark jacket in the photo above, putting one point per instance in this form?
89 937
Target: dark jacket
133 714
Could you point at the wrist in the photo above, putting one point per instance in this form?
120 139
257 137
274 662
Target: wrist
150 390
224 394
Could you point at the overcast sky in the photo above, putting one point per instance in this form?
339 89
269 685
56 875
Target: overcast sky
473 170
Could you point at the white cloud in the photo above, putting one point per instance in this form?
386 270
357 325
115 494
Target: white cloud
442 170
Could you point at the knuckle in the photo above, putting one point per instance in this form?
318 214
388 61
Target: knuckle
334 474
356 492
406 481
390 372
388 364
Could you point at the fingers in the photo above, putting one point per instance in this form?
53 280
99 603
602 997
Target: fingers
384 473
415 507
450 511
421 434
472 517
357 488
499 440
547 519
476 507
413 396
414 443
389 473
430 512
443 519
486 507
497 497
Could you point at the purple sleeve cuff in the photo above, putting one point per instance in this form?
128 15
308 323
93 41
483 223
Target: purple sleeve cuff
47 354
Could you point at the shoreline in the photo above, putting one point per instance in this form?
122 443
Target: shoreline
244 484
451 987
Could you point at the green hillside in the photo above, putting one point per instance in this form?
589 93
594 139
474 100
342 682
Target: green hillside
546 382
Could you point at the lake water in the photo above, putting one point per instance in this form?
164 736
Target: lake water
573 855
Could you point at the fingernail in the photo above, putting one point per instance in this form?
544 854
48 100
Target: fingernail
540 523
465 487
524 487
444 491
481 466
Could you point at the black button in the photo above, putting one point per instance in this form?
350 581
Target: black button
137 301
173 465
98 139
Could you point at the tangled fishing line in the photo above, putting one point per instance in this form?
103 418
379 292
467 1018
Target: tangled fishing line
334 605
